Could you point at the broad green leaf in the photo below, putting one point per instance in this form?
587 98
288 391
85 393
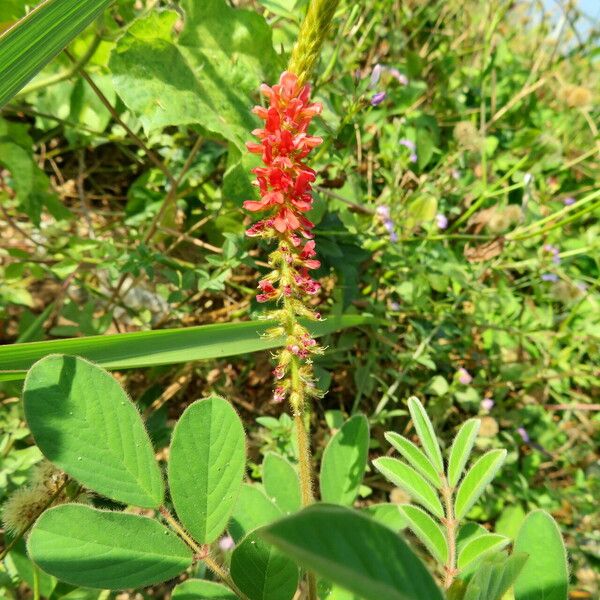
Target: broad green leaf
84 423
461 450
415 457
206 467
411 482
479 546
426 433
105 549
427 530
163 346
38 37
387 514
476 479
199 589
252 510
205 77
354 552
30 183
344 461
26 570
281 483
261 571
546 573
494 576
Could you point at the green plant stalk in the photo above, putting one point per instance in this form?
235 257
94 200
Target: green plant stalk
201 552
450 570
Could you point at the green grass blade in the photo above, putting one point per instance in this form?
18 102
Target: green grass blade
161 347
38 37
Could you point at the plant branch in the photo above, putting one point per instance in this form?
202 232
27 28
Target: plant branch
450 570
200 552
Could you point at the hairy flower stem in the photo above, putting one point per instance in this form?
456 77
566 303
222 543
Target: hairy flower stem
450 570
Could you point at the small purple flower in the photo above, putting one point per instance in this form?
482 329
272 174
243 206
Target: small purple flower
487 404
389 225
226 543
554 251
556 259
383 211
549 277
378 98
375 75
408 144
464 376
524 435
394 306
413 157
393 237
399 77
442 221
568 201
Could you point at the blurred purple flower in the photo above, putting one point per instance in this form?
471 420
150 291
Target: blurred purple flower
524 435
549 277
464 376
487 404
408 144
568 200
226 543
378 98
383 211
399 77
375 75
442 221
393 237
389 225
394 306
554 251
413 157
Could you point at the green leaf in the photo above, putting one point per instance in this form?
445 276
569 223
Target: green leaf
261 571
354 552
494 576
281 483
198 589
206 467
387 514
414 456
476 479
105 549
411 482
38 37
162 347
84 423
205 77
427 530
479 546
30 183
426 433
546 574
461 450
344 461
252 510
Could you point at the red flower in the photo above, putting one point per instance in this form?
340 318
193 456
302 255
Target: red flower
284 181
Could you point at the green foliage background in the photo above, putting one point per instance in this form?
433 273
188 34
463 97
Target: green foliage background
121 211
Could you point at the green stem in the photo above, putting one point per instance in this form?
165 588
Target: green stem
201 552
450 570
